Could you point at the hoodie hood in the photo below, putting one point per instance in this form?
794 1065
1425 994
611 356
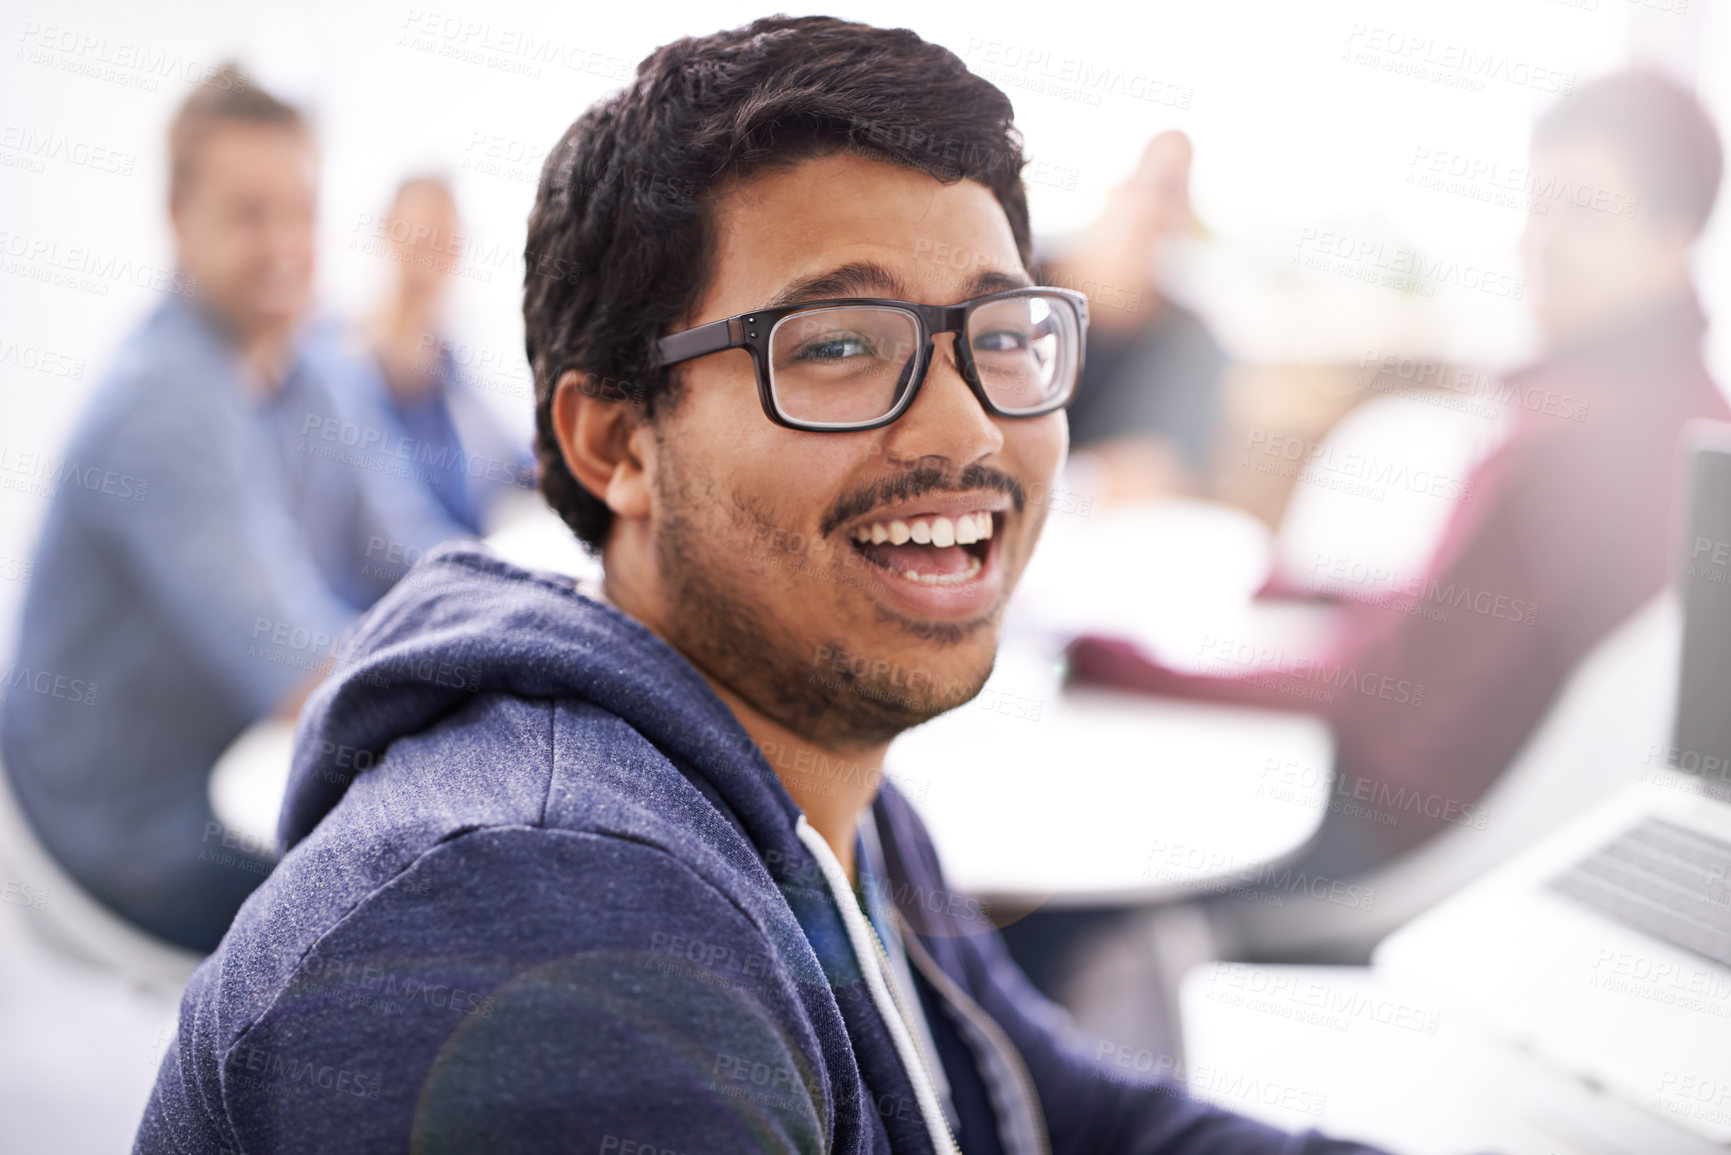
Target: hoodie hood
465 622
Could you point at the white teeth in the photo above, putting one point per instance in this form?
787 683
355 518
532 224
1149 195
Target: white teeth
943 579
965 529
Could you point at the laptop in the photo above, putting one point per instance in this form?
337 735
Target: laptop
1603 953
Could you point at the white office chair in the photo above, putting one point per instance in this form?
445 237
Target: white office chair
72 922
1605 724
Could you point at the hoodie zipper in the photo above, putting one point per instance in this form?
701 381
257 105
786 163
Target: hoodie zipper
900 998
947 988
874 965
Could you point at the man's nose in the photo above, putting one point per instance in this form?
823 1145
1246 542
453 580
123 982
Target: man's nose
288 235
946 419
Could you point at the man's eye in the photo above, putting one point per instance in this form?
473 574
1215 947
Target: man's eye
1000 341
836 348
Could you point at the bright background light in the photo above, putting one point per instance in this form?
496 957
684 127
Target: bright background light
1290 132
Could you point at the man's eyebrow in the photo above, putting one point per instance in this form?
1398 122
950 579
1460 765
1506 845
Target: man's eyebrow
855 279
992 281
870 279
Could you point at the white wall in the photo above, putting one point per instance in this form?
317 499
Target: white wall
1288 132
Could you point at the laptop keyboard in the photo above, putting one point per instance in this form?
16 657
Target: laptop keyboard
1662 879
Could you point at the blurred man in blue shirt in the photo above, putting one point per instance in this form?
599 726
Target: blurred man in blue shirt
211 593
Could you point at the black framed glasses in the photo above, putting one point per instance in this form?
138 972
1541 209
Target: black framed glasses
858 362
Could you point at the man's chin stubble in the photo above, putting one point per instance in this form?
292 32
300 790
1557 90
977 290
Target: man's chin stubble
740 644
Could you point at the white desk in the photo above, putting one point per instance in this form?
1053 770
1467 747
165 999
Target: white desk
1111 798
1341 1050
1102 797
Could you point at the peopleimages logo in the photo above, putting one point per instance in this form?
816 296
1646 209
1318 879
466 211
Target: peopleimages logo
1398 266
522 51
1450 64
120 62
385 983
248 1063
1383 802
41 360
18 676
1391 370
1421 595
1513 186
38 475
398 454
23 894
87 269
40 147
1039 69
1322 463
1305 676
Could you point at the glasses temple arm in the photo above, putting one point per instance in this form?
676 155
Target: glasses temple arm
710 338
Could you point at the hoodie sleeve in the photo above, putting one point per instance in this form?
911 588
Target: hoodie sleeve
515 989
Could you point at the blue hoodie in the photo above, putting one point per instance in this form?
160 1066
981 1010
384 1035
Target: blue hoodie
544 893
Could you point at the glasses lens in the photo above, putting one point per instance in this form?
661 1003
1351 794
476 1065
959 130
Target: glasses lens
842 366
1027 350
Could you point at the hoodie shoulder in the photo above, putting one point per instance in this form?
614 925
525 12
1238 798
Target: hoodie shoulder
514 988
543 770
465 624
495 760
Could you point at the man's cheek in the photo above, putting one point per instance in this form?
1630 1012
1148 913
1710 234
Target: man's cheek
1042 447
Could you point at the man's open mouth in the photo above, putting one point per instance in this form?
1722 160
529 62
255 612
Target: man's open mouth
931 549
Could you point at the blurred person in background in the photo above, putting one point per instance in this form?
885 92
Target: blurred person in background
1566 532
208 594
465 457
1145 414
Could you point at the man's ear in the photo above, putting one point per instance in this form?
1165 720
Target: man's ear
177 220
602 441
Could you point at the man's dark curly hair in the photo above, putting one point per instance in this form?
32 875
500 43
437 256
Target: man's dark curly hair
621 238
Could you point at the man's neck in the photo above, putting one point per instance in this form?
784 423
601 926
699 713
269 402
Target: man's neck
269 353
834 787
266 352
1646 319
832 781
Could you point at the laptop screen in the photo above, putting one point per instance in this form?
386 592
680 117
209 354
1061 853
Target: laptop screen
1702 739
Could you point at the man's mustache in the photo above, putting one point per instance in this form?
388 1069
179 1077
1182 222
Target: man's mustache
918 482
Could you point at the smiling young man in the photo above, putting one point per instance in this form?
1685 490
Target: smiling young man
547 890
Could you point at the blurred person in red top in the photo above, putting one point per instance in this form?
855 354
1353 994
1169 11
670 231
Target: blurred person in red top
1571 516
